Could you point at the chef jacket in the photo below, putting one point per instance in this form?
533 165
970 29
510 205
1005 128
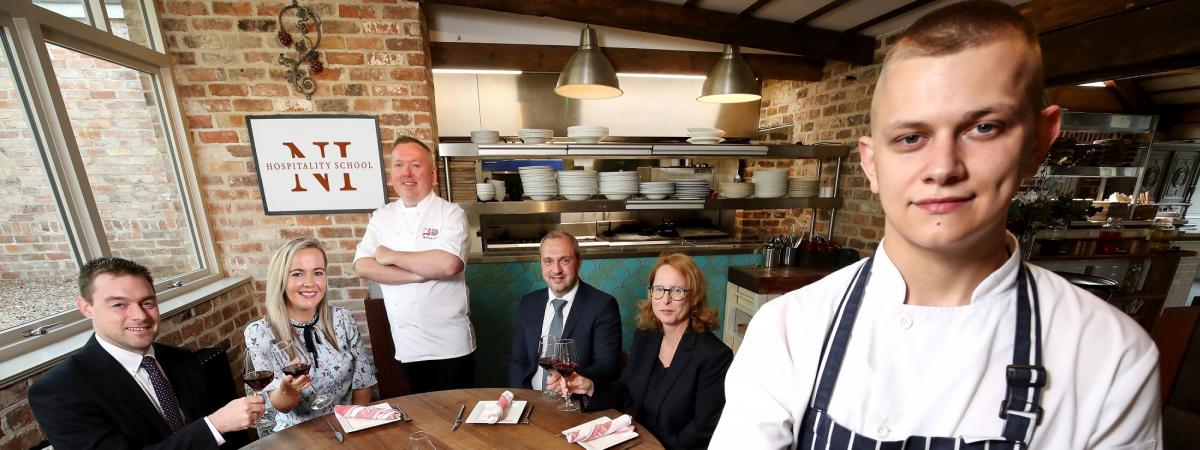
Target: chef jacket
940 371
428 320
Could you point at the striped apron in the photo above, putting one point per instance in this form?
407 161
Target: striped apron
1025 378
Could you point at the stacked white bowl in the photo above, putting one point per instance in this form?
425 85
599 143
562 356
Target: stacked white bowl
691 189
618 185
485 136
538 182
587 134
577 184
705 135
535 135
736 190
770 183
500 190
803 186
656 190
485 191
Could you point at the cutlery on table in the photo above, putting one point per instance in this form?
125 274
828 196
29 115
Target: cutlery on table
336 434
403 415
528 411
458 420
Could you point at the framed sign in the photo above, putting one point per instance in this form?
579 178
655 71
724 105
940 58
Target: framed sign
318 164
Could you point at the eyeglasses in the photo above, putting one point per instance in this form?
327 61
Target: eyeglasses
677 293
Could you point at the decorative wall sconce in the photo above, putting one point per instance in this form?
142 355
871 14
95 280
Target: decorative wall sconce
306 48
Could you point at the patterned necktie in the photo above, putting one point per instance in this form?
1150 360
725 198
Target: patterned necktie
556 326
166 397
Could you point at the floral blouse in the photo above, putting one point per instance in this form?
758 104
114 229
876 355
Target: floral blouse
338 373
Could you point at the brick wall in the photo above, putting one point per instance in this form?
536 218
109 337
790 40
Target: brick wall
835 109
217 322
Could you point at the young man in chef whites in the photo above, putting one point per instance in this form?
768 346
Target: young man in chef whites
944 339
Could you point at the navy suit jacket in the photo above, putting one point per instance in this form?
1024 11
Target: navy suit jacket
688 405
90 402
594 323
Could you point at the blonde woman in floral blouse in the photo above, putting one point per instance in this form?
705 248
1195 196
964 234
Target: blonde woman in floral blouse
297 311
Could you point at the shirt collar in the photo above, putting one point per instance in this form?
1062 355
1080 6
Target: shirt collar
999 283
129 360
570 294
421 205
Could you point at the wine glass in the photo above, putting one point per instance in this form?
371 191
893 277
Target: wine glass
257 376
547 356
420 441
298 364
567 361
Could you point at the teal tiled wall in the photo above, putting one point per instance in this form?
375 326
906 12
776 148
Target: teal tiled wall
496 288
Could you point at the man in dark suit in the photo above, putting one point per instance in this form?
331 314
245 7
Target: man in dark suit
122 390
568 309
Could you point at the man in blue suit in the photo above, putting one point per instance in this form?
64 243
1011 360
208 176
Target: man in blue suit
568 309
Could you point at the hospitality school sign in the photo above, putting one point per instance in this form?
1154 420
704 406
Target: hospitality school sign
311 164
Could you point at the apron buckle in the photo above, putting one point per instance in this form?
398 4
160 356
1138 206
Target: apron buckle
1018 408
1025 376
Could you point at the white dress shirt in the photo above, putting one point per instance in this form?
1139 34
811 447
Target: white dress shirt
939 371
132 363
429 320
548 317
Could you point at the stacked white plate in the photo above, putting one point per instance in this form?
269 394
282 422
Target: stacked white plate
803 187
736 190
577 184
485 136
770 183
587 134
705 135
535 135
656 190
691 189
485 191
538 182
618 185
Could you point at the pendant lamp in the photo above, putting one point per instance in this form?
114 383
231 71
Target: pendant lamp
588 74
730 80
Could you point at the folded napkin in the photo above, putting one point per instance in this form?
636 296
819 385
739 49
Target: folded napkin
366 412
493 413
619 425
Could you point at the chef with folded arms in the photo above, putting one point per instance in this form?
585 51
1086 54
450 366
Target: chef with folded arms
944 339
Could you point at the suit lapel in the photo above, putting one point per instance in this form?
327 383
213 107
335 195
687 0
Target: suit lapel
679 363
533 326
640 378
177 374
581 297
120 388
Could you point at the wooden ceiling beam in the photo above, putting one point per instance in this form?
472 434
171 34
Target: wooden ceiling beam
1131 96
690 3
749 11
693 23
900 11
552 58
820 11
1138 42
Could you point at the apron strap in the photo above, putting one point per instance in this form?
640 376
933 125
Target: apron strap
1026 376
839 329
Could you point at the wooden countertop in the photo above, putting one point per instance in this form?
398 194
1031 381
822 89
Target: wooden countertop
776 280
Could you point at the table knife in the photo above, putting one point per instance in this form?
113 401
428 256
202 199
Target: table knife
458 420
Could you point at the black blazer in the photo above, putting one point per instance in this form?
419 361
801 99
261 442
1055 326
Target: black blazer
594 323
90 402
690 405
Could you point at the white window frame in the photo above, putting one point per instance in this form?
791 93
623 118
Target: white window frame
27 28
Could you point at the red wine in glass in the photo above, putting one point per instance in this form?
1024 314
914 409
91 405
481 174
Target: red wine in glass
259 379
296 370
547 363
565 368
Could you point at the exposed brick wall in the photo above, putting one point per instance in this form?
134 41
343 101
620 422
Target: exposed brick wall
214 323
835 109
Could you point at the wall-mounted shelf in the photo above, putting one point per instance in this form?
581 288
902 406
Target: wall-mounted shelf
467 150
599 205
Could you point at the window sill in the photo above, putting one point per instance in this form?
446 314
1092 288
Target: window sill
34 355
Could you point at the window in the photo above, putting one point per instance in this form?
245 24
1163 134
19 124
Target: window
92 164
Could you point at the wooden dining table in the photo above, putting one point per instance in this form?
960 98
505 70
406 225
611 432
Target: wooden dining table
434 413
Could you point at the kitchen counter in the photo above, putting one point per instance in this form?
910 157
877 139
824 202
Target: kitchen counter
776 280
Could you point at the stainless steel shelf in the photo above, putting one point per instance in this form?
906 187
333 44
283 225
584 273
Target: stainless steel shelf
1103 122
566 206
466 150
1089 171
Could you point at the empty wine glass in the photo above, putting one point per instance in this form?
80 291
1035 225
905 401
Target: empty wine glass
547 356
299 362
565 366
257 377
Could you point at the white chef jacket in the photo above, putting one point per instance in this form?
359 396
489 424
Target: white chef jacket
429 320
939 371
